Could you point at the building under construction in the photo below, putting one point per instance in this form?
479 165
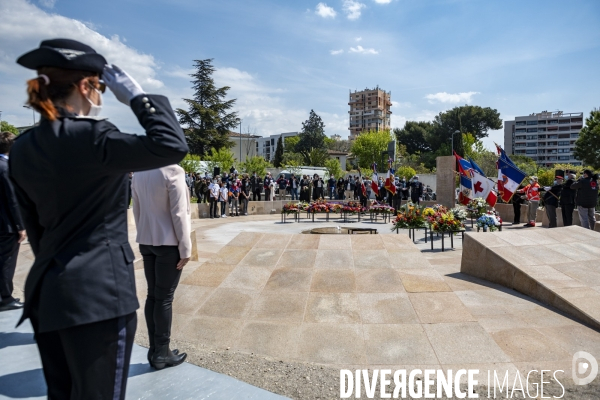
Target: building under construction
369 110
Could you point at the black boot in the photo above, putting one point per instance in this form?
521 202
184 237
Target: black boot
151 352
163 357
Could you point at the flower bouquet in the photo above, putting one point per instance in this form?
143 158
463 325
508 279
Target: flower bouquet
319 206
381 209
459 213
291 208
444 222
477 207
353 207
409 216
440 208
488 221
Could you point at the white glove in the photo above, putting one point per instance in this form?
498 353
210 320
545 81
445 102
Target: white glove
547 188
121 84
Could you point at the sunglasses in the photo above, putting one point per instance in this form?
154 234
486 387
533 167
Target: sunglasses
101 87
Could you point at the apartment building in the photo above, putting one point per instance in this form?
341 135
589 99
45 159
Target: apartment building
267 145
546 137
369 110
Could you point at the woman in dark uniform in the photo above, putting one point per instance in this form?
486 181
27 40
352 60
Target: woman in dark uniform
71 180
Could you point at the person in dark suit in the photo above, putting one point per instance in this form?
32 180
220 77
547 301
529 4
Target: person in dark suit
567 200
80 292
12 230
416 190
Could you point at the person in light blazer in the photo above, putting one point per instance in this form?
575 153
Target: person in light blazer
161 208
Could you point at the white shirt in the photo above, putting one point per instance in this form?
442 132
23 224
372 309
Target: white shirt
224 193
214 191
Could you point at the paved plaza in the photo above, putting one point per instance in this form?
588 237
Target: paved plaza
264 288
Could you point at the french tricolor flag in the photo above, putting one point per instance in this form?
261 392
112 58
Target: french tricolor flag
375 180
509 178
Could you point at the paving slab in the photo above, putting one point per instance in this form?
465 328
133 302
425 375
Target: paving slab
23 377
558 268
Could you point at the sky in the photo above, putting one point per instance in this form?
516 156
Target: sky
284 58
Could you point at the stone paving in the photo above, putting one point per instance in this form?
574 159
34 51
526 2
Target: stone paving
358 302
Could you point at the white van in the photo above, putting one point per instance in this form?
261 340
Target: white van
310 171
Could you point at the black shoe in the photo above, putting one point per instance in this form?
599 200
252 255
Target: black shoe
13 305
151 352
163 357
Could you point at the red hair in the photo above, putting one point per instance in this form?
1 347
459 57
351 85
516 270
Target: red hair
46 97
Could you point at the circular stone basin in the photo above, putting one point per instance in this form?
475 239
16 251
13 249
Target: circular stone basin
336 230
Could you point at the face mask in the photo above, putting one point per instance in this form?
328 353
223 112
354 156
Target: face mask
531 181
555 182
95 109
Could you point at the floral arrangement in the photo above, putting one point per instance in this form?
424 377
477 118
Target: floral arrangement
353 207
291 208
459 213
409 216
381 209
477 207
428 212
444 222
440 208
487 222
321 206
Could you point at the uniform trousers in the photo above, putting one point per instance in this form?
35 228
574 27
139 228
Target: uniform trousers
551 213
162 276
517 211
9 250
567 213
89 361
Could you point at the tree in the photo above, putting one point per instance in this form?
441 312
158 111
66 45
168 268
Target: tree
587 146
255 164
6 127
334 168
290 142
368 146
222 158
208 119
339 145
190 163
405 172
278 157
316 157
413 136
312 136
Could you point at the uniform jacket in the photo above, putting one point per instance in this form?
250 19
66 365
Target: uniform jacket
83 269
567 195
161 208
587 192
416 190
10 215
551 197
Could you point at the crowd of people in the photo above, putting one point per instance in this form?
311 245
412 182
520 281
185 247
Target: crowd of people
229 194
569 194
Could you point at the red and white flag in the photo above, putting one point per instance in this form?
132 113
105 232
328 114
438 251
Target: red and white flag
484 188
389 179
375 180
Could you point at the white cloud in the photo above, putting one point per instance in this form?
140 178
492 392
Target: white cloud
353 9
336 52
358 39
359 49
382 1
47 3
443 97
17 37
323 10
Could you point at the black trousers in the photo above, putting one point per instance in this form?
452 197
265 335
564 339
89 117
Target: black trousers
9 250
162 276
88 361
256 194
551 213
567 213
517 211
213 207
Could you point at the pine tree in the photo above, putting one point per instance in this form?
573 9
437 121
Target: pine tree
587 147
208 120
278 157
312 137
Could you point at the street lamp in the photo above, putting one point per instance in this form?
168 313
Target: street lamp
240 160
453 133
32 112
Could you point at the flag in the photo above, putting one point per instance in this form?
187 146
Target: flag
484 188
465 190
503 154
509 177
464 167
476 167
389 179
375 180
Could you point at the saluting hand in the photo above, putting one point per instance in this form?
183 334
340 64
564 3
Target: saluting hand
121 84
